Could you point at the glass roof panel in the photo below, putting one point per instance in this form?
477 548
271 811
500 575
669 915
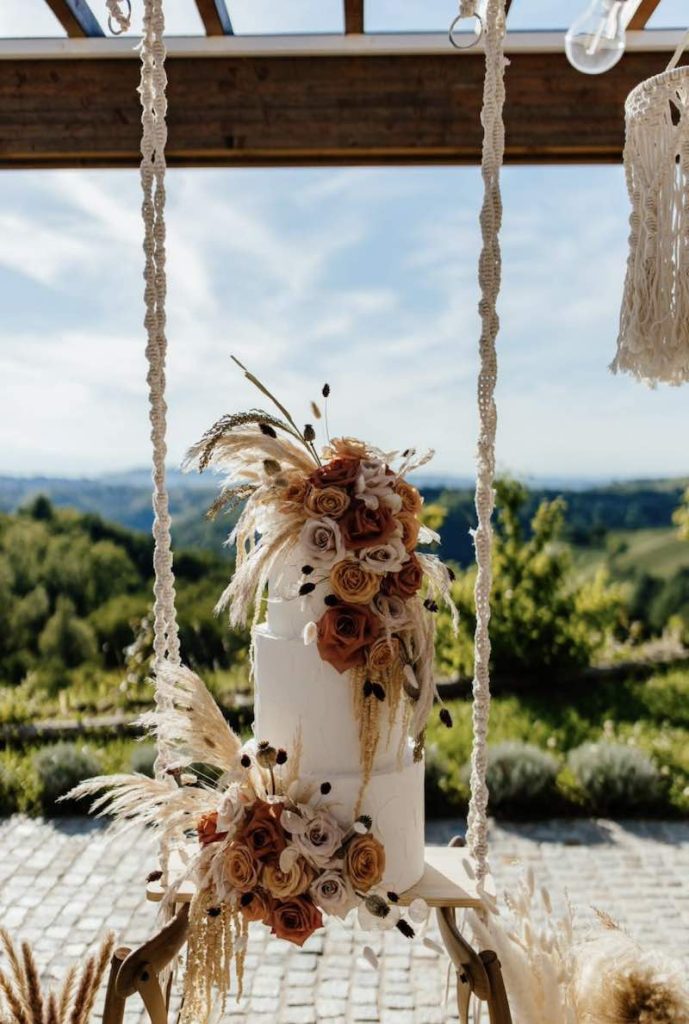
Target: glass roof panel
670 14
409 16
27 18
266 17
541 15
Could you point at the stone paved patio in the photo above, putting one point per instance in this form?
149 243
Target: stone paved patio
63 883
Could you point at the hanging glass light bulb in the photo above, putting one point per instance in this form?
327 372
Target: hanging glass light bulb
595 40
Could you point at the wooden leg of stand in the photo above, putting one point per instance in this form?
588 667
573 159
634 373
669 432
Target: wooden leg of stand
498 1007
113 1010
150 991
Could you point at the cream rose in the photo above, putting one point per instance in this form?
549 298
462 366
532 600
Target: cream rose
391 610
384 558
353 583
283 884
384 653
373 482
332 502
333 894
320 840
240 868
321 542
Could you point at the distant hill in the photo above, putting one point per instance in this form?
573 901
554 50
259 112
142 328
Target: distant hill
593 510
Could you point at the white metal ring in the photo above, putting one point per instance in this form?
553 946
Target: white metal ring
116 28
477 33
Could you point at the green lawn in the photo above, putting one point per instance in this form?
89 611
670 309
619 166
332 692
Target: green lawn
658 552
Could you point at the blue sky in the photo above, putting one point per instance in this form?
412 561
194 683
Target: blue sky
365 278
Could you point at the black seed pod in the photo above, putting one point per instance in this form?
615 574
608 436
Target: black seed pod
406 929
214 911
246 898
331 600
325 390
366 821
393 897
306 570
451 573
325 788
307 588
154 876
309 433
281 756
430 604
378 691
271 466
266 429
446 717
377 906
245 761
368 688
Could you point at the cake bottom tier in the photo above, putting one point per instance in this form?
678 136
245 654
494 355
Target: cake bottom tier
394 800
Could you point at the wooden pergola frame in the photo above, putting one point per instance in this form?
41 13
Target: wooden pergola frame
351 98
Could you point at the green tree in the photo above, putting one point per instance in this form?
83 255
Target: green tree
542 618
66 638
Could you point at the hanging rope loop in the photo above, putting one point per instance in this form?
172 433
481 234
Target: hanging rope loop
467 9
119 16
489 275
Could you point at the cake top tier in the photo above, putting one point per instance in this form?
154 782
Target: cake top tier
336 532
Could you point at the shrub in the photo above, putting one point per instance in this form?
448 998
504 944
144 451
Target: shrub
615 778
142 759
442 795
10 788
59 768
522 780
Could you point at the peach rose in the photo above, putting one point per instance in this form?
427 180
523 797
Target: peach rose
295 490
295 920
364 527
256 906
383 654
353 583
240 869
346 448
411 499
410 529
407 581
207 829
339 472
344 633
284 884
326 501
262 832
364 862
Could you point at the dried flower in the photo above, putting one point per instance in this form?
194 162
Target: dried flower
353 583
407 581
283 884
446 717
410 530
262 832
321 838
383 654
295 920
333 894
412 501
309 433
392 611
281 757
240 868
344 634
384 558
364 862
405 928
364 527
256 906
321 541
339 472
266 429
207 829
325 390
326 501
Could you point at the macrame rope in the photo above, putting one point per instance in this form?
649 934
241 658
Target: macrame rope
119 16
154 137
489 280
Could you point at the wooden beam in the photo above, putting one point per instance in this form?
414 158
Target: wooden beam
215 17
76 18
641 15
354 17
418 108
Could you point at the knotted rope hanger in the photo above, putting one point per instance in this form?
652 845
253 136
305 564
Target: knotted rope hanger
152 171
489 276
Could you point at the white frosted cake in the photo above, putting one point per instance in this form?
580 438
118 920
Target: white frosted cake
302 701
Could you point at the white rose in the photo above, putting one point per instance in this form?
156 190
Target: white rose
230 809
384 558
320 840
392 610
321 542
374 483
333 894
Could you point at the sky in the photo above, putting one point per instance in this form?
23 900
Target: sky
364 278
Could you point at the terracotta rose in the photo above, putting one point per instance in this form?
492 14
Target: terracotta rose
340 472
364 862
295 919
344 634
407 581
411 499
207 829
256 906
262 832
364 527
410 530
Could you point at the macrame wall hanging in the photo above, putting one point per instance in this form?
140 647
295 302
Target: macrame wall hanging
653 341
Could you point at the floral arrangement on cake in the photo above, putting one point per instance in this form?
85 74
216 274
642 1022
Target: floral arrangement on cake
259 844
356 521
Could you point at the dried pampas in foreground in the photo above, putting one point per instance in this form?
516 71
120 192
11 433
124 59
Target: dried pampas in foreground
23 1000
553 979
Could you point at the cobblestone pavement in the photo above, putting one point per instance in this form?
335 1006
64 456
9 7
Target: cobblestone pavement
63 883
